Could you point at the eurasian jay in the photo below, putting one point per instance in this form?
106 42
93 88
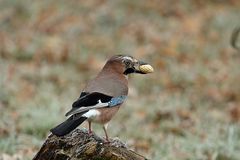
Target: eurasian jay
101 98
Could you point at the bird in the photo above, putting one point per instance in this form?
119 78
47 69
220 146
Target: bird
102 97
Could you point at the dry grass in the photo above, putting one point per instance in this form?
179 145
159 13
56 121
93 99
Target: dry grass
188 109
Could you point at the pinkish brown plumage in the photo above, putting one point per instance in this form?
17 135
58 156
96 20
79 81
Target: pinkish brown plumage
102 97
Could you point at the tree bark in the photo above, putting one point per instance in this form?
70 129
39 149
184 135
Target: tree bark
79 145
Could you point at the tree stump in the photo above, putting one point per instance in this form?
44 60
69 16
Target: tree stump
79 145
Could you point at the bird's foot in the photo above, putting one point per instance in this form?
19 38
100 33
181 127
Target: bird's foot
91 133
107 141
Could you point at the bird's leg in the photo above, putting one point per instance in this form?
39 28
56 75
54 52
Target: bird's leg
105 131
90 128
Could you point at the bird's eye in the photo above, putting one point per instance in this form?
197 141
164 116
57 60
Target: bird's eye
127 63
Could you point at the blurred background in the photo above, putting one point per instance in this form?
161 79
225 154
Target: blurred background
188 109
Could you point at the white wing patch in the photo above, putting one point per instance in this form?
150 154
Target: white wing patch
92 113
82 109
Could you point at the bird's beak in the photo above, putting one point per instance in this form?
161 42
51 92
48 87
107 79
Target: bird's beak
143 68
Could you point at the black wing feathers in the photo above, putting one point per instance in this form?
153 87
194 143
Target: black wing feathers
83 94
91 99
88 99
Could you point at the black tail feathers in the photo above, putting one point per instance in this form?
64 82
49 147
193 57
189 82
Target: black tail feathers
67 126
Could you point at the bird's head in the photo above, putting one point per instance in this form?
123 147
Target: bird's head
127 65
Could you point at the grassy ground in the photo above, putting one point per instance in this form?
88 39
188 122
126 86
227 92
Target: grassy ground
188 109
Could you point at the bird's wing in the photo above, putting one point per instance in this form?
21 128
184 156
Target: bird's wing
92 101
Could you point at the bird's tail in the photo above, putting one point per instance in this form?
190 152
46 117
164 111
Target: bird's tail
67 126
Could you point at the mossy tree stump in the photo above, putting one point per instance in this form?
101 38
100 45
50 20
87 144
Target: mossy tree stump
79 145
